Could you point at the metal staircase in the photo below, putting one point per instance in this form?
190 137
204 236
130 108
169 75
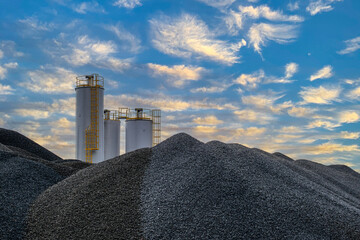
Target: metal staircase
92 132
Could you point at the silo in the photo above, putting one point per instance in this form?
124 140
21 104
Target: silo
89 118
111 134
139 131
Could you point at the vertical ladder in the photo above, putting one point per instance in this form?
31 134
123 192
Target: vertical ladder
92 132
156 127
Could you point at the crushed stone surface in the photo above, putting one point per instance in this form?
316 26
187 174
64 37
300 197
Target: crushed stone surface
193 190
99 202
21 181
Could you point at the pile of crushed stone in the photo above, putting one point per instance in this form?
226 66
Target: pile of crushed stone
186 189
26 170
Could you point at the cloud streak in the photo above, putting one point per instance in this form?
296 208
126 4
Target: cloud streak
352 45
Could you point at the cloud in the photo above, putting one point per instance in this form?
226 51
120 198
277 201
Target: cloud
7 48
250 132
325 72
235 20
250 80
50 80
291 129
5 67
292 6
97 53
1 54
253 116
355 93
63 106
352 45
34 113
213 89
348 117
300 112
260 34
165 103
206 129
129 42
187 36
177 75
130 4
329 147
319 6
322 124
266 102
6 89
218 3
33 24
208 120
291 69
86 7
320 95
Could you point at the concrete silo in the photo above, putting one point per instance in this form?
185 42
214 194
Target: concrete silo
111 134
142 128
89 118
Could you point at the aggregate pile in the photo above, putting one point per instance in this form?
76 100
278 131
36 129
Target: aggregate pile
26 170
186 189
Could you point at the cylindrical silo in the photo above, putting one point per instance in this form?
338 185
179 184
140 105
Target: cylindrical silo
111 138
89 118
138 134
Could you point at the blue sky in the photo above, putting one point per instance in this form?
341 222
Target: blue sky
276 75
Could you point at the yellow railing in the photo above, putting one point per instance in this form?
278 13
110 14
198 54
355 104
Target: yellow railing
93 80
111 115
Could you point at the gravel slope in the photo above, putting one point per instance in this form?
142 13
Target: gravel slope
15 139
21 181
100 202
185 189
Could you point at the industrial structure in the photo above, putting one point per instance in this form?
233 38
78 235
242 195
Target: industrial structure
98 130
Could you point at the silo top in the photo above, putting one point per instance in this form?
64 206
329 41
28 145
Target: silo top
93 80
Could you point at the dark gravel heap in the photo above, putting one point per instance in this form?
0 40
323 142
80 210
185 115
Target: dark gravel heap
23 176
15 139
193 190
185 189
100 202
21 181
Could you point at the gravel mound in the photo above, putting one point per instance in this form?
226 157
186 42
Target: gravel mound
186 189
15 139
99 202
345 169
193 190
280 155
4 148
21 181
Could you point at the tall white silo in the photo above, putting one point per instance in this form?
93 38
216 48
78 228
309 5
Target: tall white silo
89 118
138 131
111 134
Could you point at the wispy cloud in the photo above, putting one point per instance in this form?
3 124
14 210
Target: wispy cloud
235 19
213 89
4 69
86 7
130 4
330 147
266 102
352 45
187 36
254 116
250 80
6 89
208 120
260 34
291 69
318 6
50 80
218 3
98 53
129 41
177 75
325 72
292 6
320 95
33 24
301 112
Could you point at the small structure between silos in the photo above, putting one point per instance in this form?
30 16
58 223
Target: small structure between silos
98 130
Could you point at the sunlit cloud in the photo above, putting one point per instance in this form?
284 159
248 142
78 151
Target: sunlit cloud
300 112
352 45
291 69
218 3
129 41
325 72
250 132
50 80
4 69
320 95
208 120
260 34
254 116
348 117
187 36
323 124
206 129
34 113
250 80
318 6
329 147
6 89
266 102
292 6
177 75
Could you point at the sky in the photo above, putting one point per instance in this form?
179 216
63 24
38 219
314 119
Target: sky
276 75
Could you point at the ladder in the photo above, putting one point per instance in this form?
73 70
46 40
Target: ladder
92 132
156 127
